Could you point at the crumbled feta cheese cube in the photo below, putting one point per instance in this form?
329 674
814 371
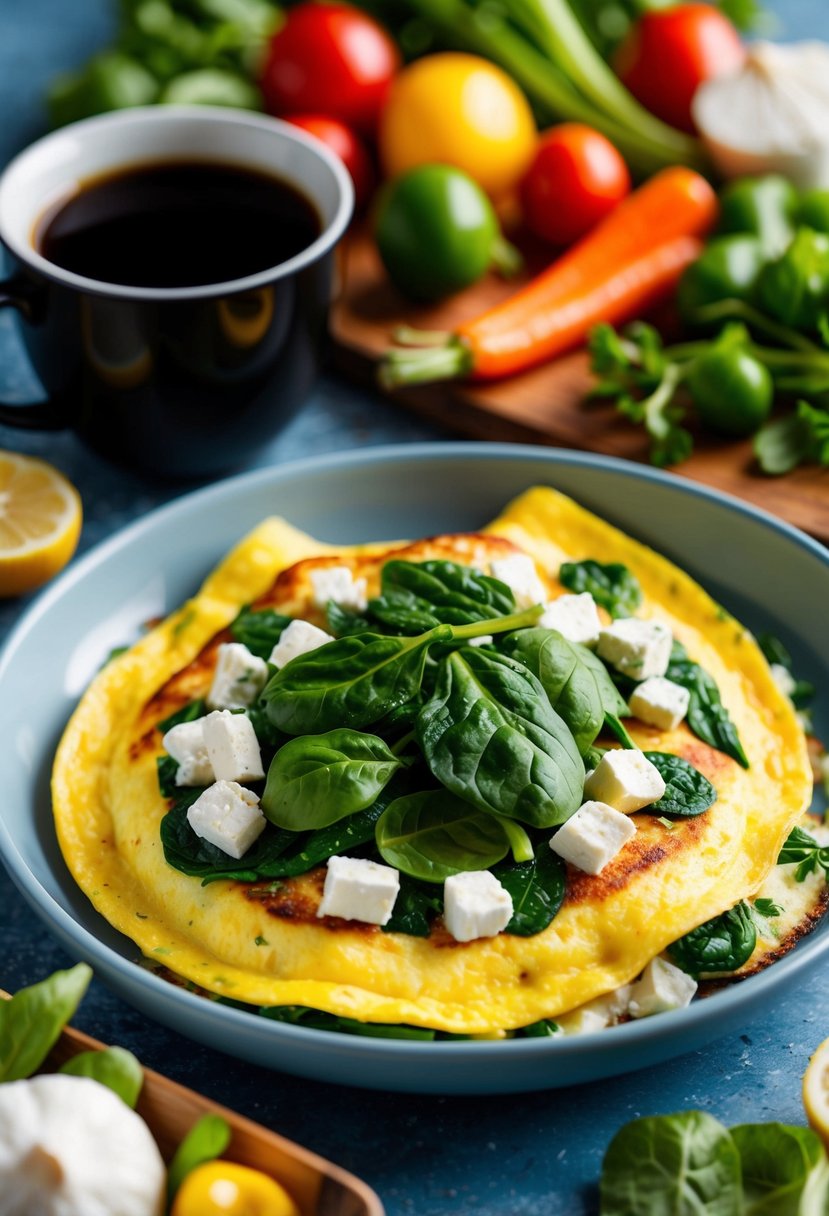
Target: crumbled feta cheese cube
661 987
593 836
638 649
660 702
300 637
359 889
576 618
520 575
185 743
232 746
338 583
596 1014
238 679
228 816
784 679
475 905
625 779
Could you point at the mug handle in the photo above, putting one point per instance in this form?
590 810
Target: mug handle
31 415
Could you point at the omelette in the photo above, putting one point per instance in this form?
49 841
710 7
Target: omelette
410 735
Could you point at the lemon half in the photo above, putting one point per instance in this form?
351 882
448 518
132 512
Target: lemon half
40 522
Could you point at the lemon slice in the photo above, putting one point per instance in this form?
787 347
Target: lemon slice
40 521
816 1091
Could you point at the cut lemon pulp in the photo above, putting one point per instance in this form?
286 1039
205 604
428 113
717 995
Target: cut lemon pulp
816 1091
40 521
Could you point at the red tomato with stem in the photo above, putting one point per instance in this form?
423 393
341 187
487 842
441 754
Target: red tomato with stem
576 178
668 53
343 143
330 59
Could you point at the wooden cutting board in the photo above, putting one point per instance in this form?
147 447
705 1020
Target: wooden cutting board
546 405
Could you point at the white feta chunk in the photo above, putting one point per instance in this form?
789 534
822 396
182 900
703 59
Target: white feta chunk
597 1014
593 836
359 889
475 905
185 743
625 779
228 816
520 575
232 746
638 649
300 637
660 702
576 618
338 583
784 679
238 679
660 988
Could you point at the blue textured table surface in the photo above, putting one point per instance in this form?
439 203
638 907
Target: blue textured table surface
523 1156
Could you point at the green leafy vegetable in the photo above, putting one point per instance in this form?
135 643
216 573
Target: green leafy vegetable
545 1029
612 585
767 908
34 1017
259 630
776 652
315 1019
777 1163
114 1067
416 905
433 834
490 735
802 848
188 713
206 1140
799 438
687 791
576 682
707 717
315 780
720 945
416 596
672 1165
537 888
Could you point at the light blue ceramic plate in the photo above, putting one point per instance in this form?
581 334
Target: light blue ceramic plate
766 573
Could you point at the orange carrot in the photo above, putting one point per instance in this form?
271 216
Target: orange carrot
630 261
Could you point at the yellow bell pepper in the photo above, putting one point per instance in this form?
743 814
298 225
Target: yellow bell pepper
222 1188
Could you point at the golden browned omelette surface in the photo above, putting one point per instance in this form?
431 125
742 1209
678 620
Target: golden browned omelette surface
664 882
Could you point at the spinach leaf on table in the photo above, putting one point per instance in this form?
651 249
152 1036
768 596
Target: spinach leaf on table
612 585
314 780
490 735
687 791
114 1067
432 835
707 716
672 1165
207 1139
778 1161
32 1020
721 944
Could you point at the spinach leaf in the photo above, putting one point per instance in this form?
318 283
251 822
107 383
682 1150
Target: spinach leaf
707 716
416 596
259 630
188 713
612 585
433 834
802 848
189 853
206 1140
671 1165
490 735
114 1067
343 623
166 769
416 905
775 652
545 1029
777 1163
575 680
317 779
721 944
353 681
537 889
316 1019
687 791
34 1017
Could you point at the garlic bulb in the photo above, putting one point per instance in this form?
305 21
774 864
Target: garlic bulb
772 116
70 1147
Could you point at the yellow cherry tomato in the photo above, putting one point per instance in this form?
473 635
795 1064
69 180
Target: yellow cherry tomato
222 1188
459 110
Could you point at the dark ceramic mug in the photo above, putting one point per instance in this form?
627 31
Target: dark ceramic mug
185 381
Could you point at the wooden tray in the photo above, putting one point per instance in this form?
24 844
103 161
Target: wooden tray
170 1110
545 405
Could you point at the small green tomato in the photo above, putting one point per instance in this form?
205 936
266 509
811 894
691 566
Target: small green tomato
732 391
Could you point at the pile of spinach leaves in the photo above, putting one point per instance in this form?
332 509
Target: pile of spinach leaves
442 730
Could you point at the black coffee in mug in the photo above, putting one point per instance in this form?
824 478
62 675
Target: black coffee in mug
172 269
177 225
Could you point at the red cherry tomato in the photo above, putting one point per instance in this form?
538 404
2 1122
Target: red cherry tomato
330 59
670 52
343 143
576 178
